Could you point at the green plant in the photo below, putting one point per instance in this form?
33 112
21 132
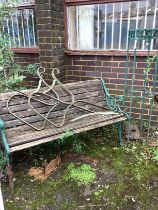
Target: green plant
83 174
155 154
31 69
99 192
68 141
2 164
68 133
149 60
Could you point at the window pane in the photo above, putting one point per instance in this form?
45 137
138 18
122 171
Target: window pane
96 29
109 26
106 26
101 25
155 42
86 27
125 15
20 27
81 27
117 22
72 28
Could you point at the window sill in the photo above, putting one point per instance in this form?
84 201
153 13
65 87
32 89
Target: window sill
22 6
30 50
107 53
87 2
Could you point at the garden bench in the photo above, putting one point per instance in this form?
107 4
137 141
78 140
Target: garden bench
17 135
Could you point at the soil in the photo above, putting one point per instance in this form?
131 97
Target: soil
126 177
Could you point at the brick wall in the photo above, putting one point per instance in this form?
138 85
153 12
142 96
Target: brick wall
27 58
51 41
112 69
50 26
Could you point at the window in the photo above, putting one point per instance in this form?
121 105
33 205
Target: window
20 28
106 26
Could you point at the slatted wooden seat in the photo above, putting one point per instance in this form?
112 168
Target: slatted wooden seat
20 136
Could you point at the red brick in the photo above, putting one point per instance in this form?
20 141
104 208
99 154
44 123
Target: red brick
88 68
103 69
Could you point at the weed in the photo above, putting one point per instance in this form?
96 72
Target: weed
83 174
68 133
68 141
2 164
155 152
98 193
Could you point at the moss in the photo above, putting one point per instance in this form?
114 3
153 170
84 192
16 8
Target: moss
134 174
83 174
131 184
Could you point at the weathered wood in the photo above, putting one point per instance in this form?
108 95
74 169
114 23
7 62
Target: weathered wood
24 129
61 94
70 86
36 135
21 136
36 118
19 108
55 137
26 110
22 107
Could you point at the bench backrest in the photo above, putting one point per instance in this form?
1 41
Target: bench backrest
90 91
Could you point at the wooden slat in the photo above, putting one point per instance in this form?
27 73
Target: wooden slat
36 135
26 110
21 136
61 93
70 86
51 138
55 113
24 129
21 107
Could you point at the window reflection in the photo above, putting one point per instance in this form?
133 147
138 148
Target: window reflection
106 26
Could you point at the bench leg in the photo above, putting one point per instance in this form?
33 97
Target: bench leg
119 126
9 172
7 154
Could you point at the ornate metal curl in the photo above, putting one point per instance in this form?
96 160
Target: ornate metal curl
50 93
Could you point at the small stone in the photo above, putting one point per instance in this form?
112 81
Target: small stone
17 198
107 186
133 200
14 179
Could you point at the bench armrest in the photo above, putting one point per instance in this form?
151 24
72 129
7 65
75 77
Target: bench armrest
4 138
112 102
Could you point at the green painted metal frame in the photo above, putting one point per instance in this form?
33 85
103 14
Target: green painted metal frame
4 140
113 104
143 34
146 35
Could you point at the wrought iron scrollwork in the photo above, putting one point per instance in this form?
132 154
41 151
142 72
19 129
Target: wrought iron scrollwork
52 94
